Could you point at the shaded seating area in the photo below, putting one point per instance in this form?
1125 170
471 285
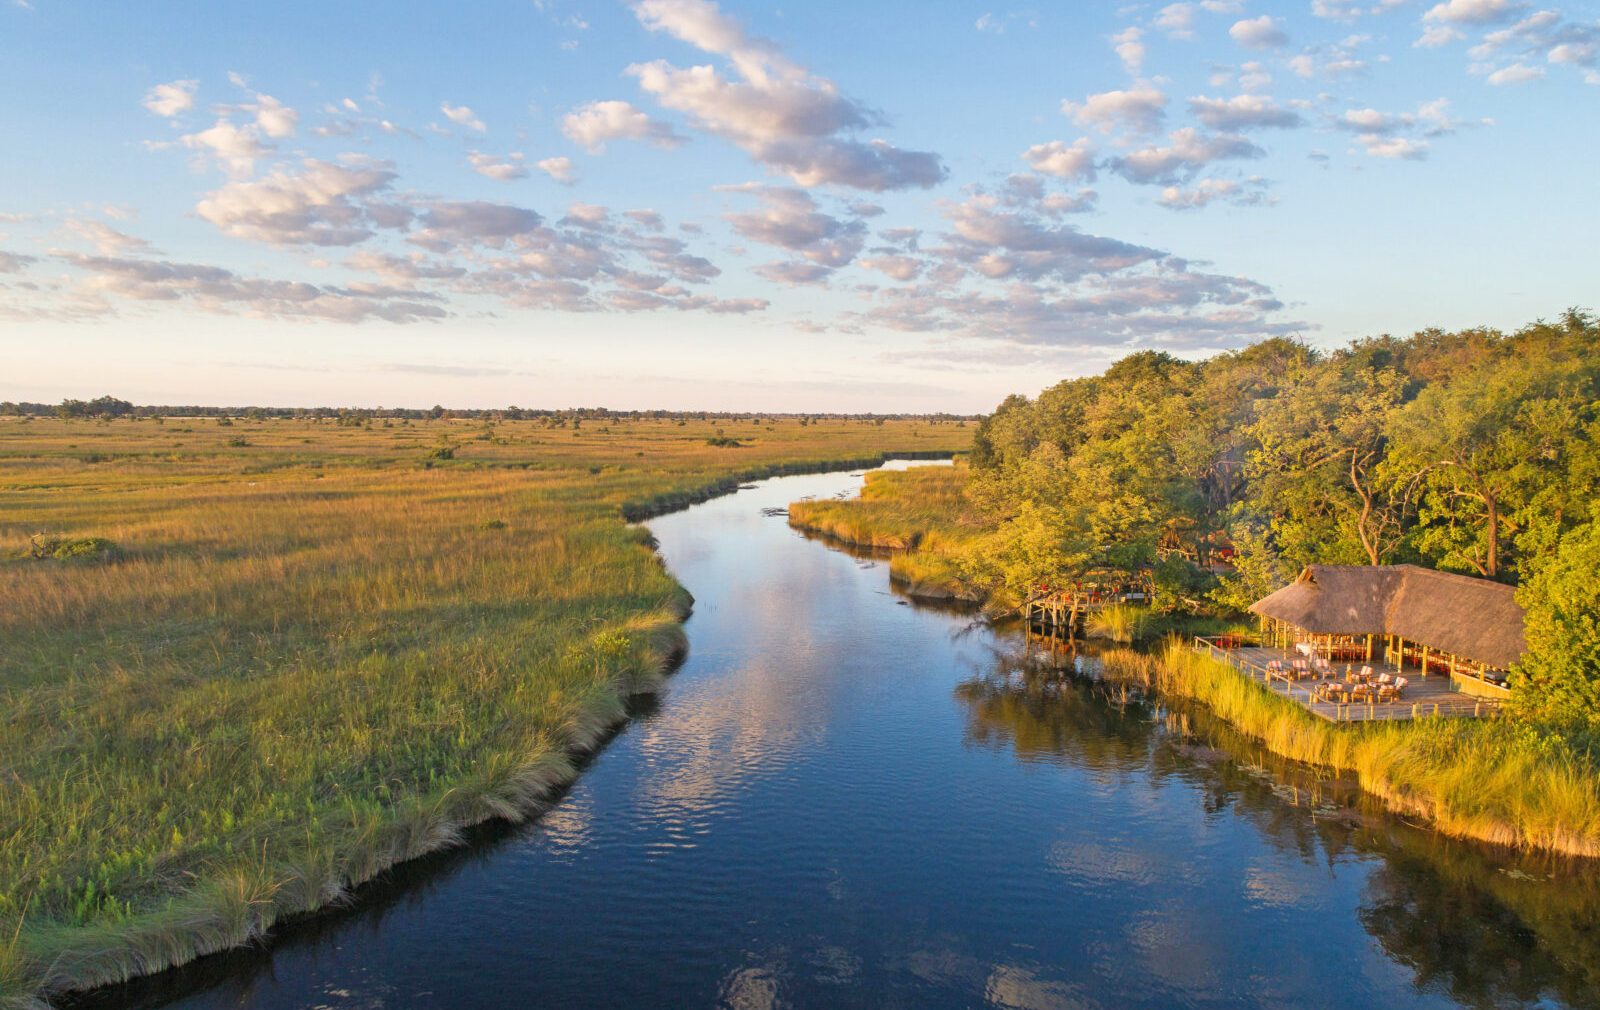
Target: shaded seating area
1419 622
1348 692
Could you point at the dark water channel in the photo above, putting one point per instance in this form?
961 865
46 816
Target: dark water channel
844 799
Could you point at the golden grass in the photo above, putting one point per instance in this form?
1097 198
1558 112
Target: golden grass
922 513
1489 780
316 653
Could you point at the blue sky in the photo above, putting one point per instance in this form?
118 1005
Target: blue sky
676 203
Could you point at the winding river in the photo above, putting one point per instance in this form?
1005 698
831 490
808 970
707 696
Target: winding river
846 799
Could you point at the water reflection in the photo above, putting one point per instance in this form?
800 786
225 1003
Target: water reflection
845 800
1484 927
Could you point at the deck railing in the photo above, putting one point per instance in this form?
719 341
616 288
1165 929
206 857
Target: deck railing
1283 681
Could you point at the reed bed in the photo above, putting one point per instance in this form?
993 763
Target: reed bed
315 654
1488 780
921 513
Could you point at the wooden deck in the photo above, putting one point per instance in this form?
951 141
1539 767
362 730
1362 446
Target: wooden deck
1430 695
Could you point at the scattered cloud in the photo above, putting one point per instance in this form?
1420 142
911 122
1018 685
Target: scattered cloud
1243 112
1139 109
1076 161
1187 152
560 169
462 116
1264 32
783 116
595 124
501 168
323 204
1474 12
172 98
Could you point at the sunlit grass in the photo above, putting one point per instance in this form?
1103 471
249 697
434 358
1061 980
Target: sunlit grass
316 650
1491 780
922 513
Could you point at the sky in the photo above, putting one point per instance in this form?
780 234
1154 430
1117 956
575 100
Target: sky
895 206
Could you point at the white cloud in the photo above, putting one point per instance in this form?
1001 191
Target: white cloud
1129 49
790 219
560 169
1243 112
324 205
1349 10
1208 191
1064 162
106 239
1188 151
1474 12
1434 36
1516 73
1139 109
1177 20
171 99
1264 32
215 289
895 265
501 168
462 115
236 148
274 119
595 124
775 110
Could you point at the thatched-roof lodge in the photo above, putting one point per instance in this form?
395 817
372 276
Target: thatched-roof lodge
1438 621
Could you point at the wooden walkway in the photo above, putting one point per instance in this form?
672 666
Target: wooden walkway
1431 695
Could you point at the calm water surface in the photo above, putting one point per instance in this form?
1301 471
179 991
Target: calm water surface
846 800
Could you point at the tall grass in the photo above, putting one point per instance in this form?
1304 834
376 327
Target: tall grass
314 655
922 513
1490 780
1118 622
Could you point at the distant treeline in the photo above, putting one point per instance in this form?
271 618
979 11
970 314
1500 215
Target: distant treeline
106 407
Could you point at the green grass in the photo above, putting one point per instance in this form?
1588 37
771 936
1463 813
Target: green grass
921 513
316 654
1489 780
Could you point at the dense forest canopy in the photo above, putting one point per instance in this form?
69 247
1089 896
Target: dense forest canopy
1473 451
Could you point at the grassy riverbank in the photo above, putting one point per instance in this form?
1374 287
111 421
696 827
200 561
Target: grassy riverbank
921 513
311 651
1489 780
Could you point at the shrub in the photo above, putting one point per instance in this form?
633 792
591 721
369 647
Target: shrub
443 452
68 548
724 442
492 524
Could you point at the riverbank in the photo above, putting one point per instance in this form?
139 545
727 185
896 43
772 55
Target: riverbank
1486 780
921 514
317 652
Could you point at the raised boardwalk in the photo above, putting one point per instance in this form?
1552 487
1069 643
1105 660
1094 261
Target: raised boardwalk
1424 696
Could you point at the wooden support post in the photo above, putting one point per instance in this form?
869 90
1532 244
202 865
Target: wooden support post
1424 660
1369 648
1399 654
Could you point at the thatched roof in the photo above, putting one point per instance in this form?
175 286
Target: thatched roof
1472 618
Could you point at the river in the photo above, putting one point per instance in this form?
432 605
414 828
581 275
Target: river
846 799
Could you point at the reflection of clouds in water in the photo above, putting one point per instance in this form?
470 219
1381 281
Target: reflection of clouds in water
1175 948
754 988
567 828
835 964
1278 889
1093 863
721 735
1017 988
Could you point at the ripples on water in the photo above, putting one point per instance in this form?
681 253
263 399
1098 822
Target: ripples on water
844 801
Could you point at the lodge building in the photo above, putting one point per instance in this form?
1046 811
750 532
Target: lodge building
1435 622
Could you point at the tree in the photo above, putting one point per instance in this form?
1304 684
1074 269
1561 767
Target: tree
1481 447
1318 466
1558 680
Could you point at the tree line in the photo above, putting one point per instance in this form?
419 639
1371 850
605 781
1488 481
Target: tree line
1473 451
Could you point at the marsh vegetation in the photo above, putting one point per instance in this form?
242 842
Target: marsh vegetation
315 654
